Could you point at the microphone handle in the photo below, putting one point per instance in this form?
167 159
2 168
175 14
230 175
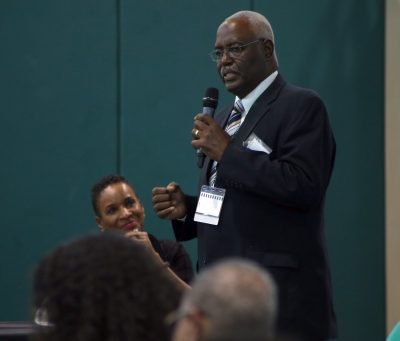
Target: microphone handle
200 158
200 155
209 111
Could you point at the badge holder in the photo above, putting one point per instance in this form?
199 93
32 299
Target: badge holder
209 205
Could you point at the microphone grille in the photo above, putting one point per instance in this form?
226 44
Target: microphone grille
210 98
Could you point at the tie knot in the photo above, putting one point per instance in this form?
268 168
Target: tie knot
238 106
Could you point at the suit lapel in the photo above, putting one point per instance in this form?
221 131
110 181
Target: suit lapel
260 108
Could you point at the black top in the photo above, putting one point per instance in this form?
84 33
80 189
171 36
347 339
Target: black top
175 254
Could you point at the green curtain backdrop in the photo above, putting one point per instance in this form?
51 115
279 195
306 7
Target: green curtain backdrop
94 87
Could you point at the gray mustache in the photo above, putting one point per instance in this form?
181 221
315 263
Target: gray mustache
224 71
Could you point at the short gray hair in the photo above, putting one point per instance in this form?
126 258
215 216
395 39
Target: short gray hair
259 24
240 299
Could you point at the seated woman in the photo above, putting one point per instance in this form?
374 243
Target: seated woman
103 287
117 207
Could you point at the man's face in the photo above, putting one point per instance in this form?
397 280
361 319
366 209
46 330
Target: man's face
185 330
240 74
191 326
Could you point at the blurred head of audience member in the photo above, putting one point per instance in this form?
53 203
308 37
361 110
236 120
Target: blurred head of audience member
232 300
103 287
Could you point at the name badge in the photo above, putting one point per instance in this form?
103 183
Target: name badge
209 205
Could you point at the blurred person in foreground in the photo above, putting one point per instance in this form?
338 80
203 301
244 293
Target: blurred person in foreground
232 300
103 287
117 207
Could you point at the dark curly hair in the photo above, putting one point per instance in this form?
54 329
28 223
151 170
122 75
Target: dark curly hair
104 287
100 185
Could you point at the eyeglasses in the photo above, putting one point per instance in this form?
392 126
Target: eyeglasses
42 318
234 51
183 312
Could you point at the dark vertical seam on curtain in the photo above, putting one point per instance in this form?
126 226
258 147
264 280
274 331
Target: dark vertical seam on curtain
119 87
252 5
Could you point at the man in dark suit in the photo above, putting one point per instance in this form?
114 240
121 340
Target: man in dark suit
274 171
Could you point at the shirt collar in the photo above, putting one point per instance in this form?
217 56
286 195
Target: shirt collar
249 100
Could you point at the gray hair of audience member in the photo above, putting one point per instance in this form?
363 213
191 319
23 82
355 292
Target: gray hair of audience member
238 297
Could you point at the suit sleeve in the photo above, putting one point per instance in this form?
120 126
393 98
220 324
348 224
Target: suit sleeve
186 230
298 170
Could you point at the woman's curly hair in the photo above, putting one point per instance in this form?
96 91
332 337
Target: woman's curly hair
104 287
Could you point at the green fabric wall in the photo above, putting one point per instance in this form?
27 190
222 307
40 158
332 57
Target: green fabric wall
94 87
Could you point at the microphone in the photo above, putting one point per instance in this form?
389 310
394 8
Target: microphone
210 102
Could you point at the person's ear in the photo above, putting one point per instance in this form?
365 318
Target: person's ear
98 222
268 48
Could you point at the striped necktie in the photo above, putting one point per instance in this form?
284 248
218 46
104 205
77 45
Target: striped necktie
231 128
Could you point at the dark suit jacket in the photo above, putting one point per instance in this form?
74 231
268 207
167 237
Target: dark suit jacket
273 207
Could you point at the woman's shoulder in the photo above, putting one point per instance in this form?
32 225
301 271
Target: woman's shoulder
171 246
166 248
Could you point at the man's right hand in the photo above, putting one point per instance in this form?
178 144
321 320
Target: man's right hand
169 202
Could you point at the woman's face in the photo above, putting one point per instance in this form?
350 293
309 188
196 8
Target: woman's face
119 208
